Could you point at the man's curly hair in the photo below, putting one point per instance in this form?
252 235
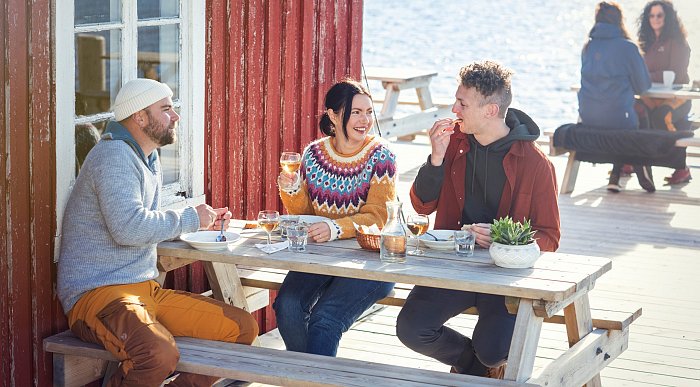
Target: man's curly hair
491 80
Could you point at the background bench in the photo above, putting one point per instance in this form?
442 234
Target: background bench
572 165
254 364
602 318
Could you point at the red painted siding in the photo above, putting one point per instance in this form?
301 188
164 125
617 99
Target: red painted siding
268 65
27 212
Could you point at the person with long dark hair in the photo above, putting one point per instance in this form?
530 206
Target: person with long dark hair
663 40
612 72
347 176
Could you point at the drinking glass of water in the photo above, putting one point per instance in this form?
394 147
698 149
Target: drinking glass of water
464 243
287 221
297 236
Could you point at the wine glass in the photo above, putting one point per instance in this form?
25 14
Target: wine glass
268 220
418 225
291 162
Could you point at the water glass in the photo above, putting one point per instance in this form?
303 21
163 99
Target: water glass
287 221
464 243
297 236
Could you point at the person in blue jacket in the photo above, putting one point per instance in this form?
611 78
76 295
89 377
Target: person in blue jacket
612 72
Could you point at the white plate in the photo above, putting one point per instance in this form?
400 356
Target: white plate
445 242
206 240
308 219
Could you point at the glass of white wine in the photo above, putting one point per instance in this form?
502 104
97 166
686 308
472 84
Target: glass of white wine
291 162
269 221
418 225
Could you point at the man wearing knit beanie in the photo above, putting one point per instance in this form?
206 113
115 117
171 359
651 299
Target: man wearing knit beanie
107 264
152 98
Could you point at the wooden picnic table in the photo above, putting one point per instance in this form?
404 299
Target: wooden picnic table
394 80
558 281
657 90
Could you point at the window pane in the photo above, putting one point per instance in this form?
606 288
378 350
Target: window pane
158 56
149 9
86 137
170 158
97 11
97 71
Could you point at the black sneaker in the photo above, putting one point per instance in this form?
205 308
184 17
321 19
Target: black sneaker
644 177
614 183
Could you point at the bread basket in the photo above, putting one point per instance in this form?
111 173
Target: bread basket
369 241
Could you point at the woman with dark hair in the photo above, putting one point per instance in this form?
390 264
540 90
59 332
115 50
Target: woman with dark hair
347 176
663 41
612 72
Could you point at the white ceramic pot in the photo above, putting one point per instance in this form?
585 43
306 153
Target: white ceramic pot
514 256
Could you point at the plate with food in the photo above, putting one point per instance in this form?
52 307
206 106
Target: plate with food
206 240
438 239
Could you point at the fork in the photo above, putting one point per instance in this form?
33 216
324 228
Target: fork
434 237
221 237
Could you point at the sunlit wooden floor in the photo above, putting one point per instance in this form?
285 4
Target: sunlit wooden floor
654 242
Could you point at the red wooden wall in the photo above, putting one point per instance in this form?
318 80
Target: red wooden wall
269 63
27 309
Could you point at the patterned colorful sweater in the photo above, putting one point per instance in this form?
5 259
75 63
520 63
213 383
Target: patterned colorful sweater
346 188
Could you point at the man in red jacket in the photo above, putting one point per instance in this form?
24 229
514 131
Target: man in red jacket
487 169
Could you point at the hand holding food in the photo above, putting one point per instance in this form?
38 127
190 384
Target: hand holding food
440 138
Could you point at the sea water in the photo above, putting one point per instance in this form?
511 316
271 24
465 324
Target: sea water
540 40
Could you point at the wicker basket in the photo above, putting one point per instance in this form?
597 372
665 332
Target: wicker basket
369 241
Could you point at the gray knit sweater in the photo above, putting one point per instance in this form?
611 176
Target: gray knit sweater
112 221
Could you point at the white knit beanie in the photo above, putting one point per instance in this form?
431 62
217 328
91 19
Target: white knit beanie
138 94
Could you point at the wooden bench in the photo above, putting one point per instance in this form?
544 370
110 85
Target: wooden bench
572 165
394 80
271 279
76 363
604 319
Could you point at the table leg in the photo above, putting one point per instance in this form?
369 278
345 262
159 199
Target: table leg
523 346
226 284
391 100
570 174
424 98
577 317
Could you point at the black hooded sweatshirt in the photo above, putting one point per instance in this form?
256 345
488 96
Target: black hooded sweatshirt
485 175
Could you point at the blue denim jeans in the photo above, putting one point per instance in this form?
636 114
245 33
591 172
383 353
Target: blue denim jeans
313 311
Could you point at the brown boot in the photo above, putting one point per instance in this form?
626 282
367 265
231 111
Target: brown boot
491 372
496 372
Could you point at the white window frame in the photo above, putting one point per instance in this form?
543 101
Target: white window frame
191 99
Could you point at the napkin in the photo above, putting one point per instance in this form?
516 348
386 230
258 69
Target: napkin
273 248
373 229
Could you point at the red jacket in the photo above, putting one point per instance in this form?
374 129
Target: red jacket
530 190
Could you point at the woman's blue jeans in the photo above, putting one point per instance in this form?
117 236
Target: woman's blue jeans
313 311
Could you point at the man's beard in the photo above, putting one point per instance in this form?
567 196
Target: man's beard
159 133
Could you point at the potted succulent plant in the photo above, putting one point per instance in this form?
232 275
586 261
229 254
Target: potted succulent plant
513 244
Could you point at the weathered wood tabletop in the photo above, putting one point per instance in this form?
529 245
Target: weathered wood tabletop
555 277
